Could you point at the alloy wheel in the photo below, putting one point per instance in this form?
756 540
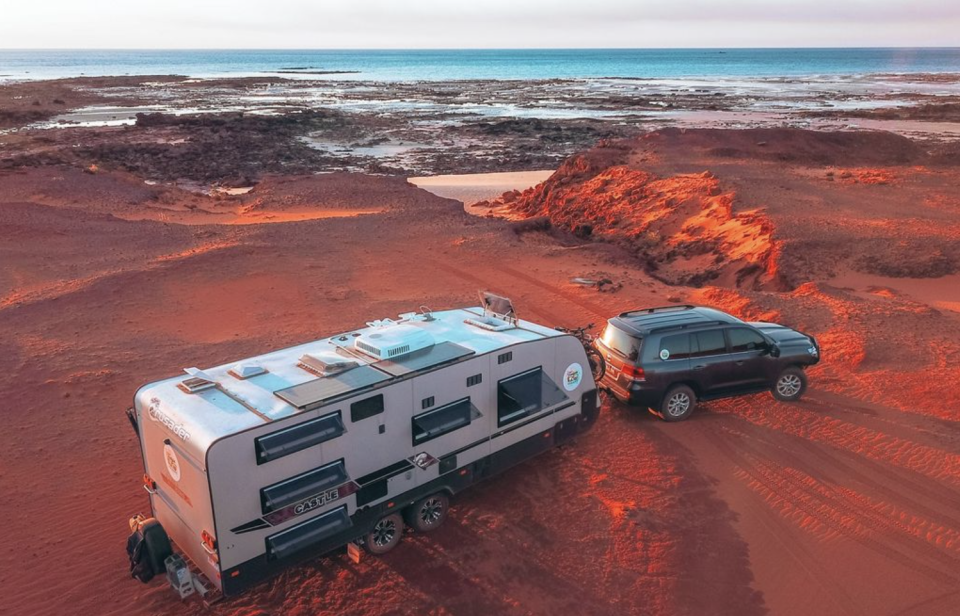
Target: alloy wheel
788 385
431 511
384 532
678 404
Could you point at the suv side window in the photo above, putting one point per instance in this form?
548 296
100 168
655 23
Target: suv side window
743 339
710 342
675 347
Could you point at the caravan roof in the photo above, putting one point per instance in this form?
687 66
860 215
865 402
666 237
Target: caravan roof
208 404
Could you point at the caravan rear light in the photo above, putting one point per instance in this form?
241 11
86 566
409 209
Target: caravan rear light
633 372
209 542
149 484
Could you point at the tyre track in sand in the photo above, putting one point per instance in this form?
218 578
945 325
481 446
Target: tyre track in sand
775 479
777 529
839 496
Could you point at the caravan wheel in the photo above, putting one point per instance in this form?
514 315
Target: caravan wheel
428 513
385 535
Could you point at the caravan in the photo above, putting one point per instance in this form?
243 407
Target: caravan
348 440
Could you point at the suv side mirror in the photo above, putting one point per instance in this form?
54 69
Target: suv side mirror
774 350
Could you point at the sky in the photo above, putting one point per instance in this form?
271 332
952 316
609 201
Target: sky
393 24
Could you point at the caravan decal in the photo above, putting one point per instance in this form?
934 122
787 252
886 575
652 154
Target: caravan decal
159 416
572 376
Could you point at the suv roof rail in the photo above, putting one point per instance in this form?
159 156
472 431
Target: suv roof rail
663 328
631 313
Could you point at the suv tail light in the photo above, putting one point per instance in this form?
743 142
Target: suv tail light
633 372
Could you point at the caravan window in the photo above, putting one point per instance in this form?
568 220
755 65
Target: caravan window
525 394
306 534
366 408
299 437
303 486
446 419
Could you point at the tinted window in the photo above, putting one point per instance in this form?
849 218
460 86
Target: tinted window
303 486
526 394
299 437
308 533
366 408
676 347
518 396
620 341
446 419
709 343
742 339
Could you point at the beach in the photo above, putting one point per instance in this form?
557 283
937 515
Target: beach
153 223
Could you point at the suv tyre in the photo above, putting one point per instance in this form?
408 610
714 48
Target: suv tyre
790 385
678 403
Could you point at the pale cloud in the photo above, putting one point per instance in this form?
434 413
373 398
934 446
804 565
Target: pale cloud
494 23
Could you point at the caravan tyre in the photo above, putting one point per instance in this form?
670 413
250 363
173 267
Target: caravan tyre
428 513
385 535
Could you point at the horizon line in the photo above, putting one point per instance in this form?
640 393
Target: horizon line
739 48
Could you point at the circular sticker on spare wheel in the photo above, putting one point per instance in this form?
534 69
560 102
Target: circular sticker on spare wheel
572 376
664 354
173 463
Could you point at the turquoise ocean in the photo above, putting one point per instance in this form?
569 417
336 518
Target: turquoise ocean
411 65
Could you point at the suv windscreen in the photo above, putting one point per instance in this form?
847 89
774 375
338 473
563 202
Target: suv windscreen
743 339
675 347
620 341
710 342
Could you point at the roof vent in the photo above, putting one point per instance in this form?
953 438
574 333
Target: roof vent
498 313
198 381
246 371
325 366
390 342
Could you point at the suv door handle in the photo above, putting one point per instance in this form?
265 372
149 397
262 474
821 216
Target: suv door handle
699 367
740 362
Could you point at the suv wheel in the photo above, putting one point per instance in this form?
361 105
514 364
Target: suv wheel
678 404
790 385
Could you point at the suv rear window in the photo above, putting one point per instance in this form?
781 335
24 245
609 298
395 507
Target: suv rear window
710 342
620 341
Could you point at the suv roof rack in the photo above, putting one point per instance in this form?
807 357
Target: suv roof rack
663 328
676 308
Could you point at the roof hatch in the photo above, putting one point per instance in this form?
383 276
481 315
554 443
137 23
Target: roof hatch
498 313
392 340
246 371
198 381
325 365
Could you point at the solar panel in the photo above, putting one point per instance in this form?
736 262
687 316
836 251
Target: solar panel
325 388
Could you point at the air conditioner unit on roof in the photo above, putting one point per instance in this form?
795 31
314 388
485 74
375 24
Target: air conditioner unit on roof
393 341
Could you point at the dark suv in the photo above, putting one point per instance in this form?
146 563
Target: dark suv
670 358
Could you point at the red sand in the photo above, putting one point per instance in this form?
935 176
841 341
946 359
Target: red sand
845 503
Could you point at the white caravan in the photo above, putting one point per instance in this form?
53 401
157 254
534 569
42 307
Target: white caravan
256 465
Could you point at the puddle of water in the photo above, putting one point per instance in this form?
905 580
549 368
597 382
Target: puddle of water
473 187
